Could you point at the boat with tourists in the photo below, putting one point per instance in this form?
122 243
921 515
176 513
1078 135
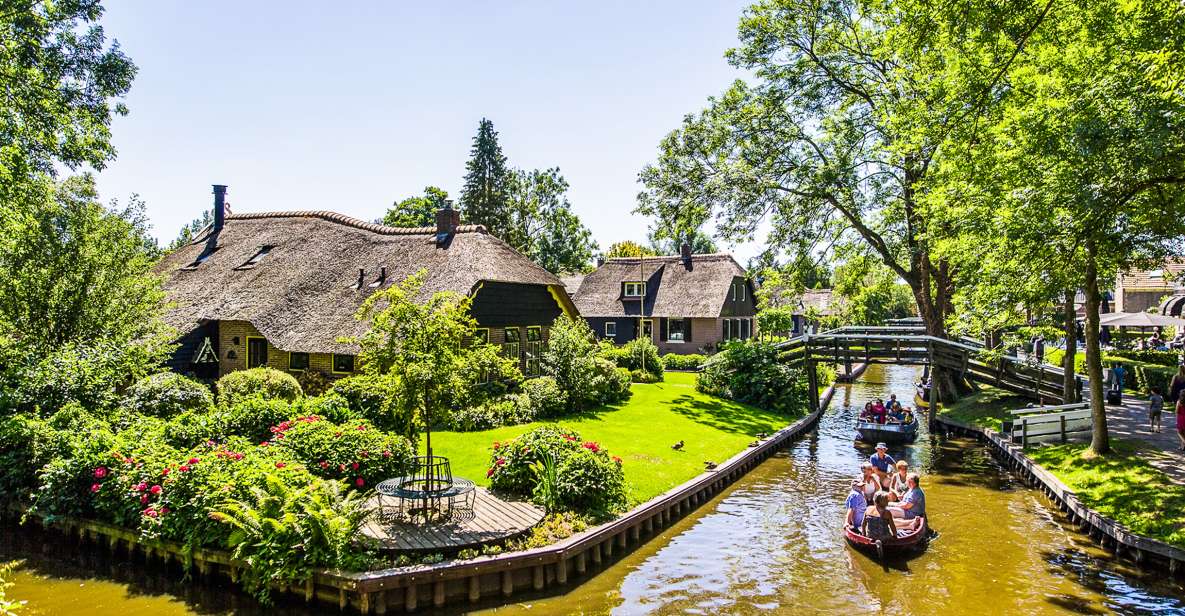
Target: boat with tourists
906 540
888 422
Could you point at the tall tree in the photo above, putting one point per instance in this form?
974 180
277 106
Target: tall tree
835 140
484 195
62 83
191 230
666 243
627 248
866 292
542 223
419 211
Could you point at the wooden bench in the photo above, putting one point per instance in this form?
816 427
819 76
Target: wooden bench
1042 424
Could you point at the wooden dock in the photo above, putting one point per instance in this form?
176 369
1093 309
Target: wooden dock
491 519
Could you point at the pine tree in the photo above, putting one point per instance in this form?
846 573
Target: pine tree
484 195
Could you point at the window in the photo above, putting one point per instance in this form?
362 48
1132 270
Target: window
724 328
343 363
675 332
511 347
738 291
201 258
256 352
741 287
256 258
634 289
298 361
746 329
611 329
481 335
534 366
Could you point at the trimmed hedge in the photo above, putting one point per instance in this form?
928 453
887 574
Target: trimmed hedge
692 361
166 394
266 383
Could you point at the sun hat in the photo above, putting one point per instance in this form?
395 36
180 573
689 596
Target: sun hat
881 446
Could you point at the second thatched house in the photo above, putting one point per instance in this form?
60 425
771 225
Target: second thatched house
280 289
686 304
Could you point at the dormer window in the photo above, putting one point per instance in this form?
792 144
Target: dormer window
634 289
201 258
256 258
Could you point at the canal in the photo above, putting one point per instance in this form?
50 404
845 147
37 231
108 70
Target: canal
770 543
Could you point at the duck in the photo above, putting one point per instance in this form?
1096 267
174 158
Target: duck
754 443
762 434
709 465
677 446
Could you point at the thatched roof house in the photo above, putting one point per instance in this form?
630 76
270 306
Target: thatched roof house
281 288
684 303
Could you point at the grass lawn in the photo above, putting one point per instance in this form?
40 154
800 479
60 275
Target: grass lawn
640 431
985 408
1121 486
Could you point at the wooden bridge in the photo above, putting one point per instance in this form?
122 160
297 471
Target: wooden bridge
911 345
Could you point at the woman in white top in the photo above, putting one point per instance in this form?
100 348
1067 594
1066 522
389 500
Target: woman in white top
870 481
898 484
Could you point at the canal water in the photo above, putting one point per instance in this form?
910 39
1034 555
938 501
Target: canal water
769 544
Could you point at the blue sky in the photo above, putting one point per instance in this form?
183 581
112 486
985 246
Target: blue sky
296 106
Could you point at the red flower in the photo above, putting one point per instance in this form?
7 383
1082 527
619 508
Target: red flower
164 510
386 454
155 489
364 454
263 444
182 468
617 460
140 487
591 446
360 428
324 464
359 482
500 461
165 472
150 512
489 473
337 433
341 467
95 487
194 460
354 466
497 445
280 465
100 472
210 443
143 499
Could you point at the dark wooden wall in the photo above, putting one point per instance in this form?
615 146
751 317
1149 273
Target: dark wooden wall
181 359
627 328
499 304
740 308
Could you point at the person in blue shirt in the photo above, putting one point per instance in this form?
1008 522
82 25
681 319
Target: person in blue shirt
855 506
912 505
882 461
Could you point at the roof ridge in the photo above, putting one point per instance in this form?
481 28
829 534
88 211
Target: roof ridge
350 221
716 255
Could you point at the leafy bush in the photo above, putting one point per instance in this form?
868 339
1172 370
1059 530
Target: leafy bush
330 405
675 361
95 375
266 383
750 372
608 384
641 354
372 397
587 479
26 445
642 376
166 394
1159 358
1152 376
356 452
253 418
571 359
314 382
491 375
505 411
545 397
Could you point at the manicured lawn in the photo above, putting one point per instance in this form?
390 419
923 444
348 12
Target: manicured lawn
985 408
1121 486
640 431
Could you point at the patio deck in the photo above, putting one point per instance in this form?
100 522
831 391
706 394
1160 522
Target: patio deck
491 519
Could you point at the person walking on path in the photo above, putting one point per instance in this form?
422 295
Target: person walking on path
1117 374
1181 420
1178 384
1155 406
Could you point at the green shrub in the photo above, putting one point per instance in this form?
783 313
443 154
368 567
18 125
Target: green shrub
607 383
750 372
372 397
266 383
1147 377
617 355
191 429
94 375
330 405
1159 358
588 480
545 397
571 359
354 452
253 418
691 361
314 382
27 444
642 376
510 410
641 354
166 394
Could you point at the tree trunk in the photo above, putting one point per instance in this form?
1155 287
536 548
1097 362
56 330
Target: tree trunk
1099 441
1070 380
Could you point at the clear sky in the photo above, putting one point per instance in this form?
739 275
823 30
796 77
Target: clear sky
351 106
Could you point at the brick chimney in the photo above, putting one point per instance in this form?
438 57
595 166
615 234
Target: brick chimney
447 221
685 251
219 207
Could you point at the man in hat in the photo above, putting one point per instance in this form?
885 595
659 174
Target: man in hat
882 461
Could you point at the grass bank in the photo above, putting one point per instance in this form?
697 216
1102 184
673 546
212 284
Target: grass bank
985 408
640 431
1122 486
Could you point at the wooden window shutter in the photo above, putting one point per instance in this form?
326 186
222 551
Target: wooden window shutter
662 329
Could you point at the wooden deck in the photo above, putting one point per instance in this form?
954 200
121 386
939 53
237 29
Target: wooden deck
491 519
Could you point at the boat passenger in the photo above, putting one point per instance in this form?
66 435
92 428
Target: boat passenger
899 482
856 506
912 506
870 482
879 411
882 460
893 403
878 522
897 415
866 414
908 416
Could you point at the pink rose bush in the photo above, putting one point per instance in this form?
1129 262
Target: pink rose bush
588 479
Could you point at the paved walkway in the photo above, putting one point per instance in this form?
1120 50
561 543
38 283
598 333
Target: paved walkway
1130 421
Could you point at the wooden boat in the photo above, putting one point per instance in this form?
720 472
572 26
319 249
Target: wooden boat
873 432
904 542
921 399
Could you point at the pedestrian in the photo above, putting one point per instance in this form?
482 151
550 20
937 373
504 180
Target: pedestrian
1181 420
1178 383
1155 406
1117 374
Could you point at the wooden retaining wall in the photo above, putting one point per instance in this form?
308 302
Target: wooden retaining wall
408 588
1104 531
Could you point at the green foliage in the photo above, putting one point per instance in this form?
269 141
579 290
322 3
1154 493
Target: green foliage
166 394
587 478
690 361
330 405
26 445
267 383
417 211
354 452
287 531
608 384
570 358
373 397
643 376
640 354
778 320
93 373
484 195
505 411
664 241
866 292
545 397
1148 376
314 382
191 230
553 528
251 418
750 372
628 248
542 223
546 491
1160 358
8 607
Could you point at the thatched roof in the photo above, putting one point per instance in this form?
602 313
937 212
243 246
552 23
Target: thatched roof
1164 278
674 288
303 294
572 282
819 299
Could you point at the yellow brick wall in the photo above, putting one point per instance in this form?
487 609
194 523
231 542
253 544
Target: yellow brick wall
276 358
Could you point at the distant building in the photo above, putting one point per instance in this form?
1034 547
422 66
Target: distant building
819 300
686 304
1137 291
280 289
